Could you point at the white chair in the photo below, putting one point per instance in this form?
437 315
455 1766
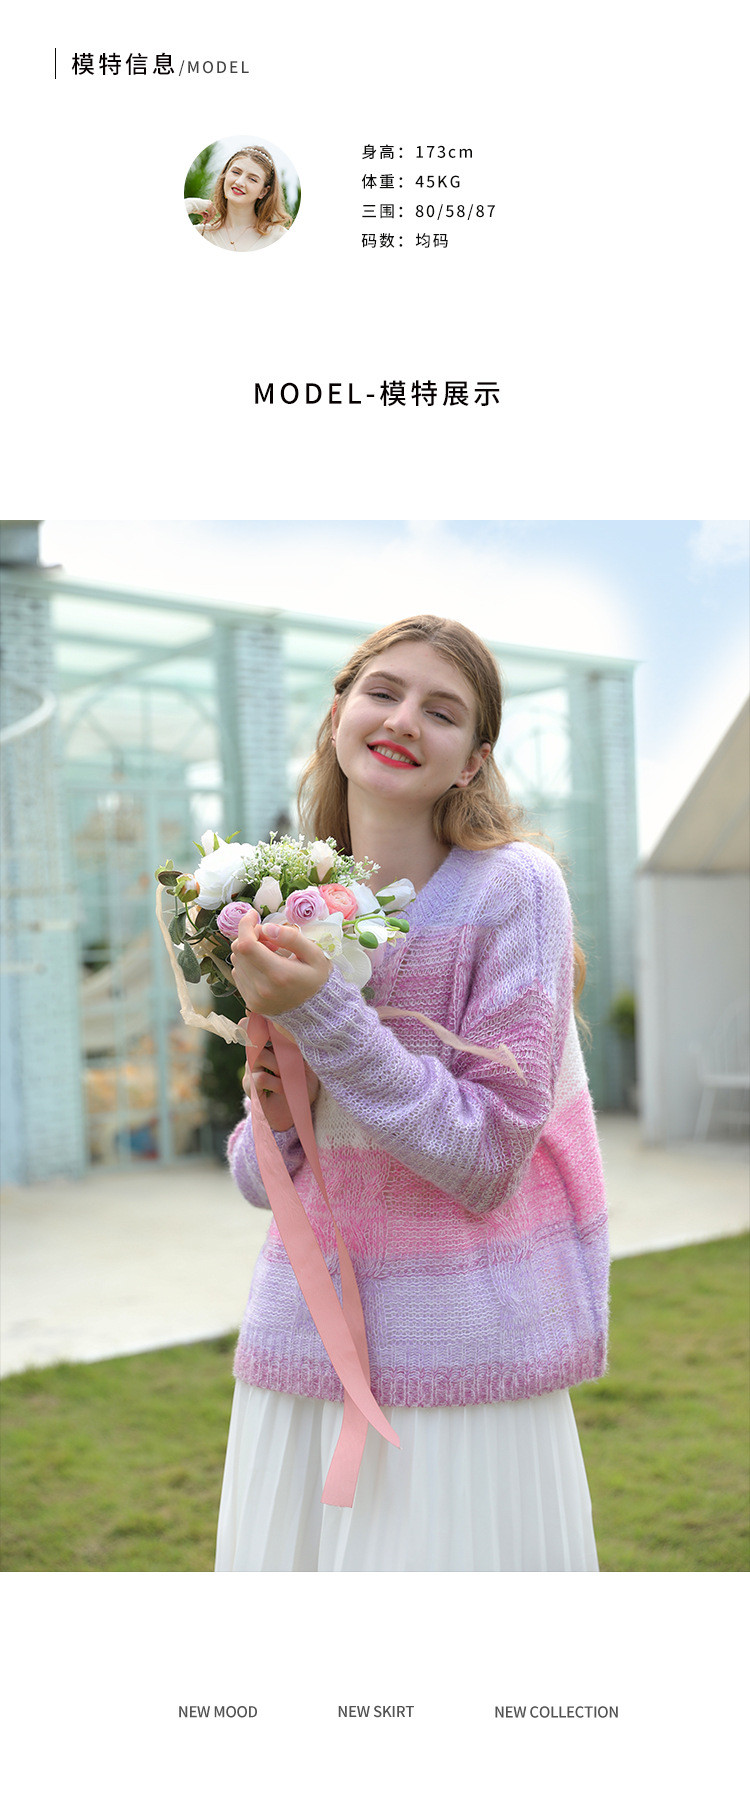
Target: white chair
723 1061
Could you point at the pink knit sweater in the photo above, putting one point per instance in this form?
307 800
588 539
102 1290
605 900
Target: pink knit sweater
472 1203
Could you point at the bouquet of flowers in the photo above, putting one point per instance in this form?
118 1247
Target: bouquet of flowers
313 886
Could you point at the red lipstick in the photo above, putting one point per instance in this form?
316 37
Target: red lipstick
398 750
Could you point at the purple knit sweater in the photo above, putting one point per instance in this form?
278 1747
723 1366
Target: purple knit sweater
472 1203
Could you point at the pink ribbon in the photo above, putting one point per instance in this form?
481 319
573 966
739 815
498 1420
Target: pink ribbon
499 1054
341 1326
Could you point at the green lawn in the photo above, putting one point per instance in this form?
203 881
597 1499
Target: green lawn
665 1433
117 1465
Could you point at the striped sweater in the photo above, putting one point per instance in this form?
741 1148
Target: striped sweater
471 1202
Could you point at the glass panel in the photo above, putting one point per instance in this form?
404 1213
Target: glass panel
140 711
144 624
143 782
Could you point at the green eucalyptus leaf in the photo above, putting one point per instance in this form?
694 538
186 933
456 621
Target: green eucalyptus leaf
221 988
189 964
202 918
177 928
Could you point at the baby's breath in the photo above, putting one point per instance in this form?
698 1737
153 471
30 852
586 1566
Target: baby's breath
290 862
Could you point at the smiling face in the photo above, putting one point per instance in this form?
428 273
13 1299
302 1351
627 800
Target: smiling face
245 182
405 731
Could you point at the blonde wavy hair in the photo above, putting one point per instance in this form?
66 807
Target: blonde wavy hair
482 815
270 208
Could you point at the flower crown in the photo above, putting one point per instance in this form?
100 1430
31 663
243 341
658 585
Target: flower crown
256 151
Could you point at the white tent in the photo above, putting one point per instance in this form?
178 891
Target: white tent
693 916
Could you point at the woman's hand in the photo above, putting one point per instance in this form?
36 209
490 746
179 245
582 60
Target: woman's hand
271 981
268 1082
196 205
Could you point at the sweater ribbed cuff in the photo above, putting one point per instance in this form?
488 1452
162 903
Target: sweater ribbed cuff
324 1014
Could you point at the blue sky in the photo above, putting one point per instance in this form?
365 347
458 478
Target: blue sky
673 597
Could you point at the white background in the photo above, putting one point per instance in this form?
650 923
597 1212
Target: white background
608 295
610 301
100 1676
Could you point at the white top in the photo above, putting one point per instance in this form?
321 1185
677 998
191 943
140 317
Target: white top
246 239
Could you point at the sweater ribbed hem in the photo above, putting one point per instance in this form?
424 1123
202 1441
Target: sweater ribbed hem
481 1385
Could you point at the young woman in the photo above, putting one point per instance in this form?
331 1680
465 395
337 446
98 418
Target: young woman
470 1199
246 210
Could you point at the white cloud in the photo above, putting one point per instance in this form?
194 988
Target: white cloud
719 544
509 599
506 595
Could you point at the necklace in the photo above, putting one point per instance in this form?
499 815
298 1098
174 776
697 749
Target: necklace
234 243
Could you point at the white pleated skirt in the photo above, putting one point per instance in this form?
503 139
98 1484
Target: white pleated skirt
472 1488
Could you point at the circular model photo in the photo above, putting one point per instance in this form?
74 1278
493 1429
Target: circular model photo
242 195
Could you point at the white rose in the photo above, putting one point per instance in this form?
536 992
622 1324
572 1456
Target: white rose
269 895
364 897
207 840
221 874
323 858
397 895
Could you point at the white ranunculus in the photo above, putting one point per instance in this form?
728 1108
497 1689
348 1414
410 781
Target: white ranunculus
323 858
207 840
269 895
364 897
397 895
221 873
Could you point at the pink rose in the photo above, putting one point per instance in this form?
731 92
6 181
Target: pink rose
229 919
304 905
339 899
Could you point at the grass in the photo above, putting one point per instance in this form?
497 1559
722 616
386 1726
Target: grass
664 1434
117 1465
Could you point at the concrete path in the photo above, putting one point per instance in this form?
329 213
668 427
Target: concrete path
122 1262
